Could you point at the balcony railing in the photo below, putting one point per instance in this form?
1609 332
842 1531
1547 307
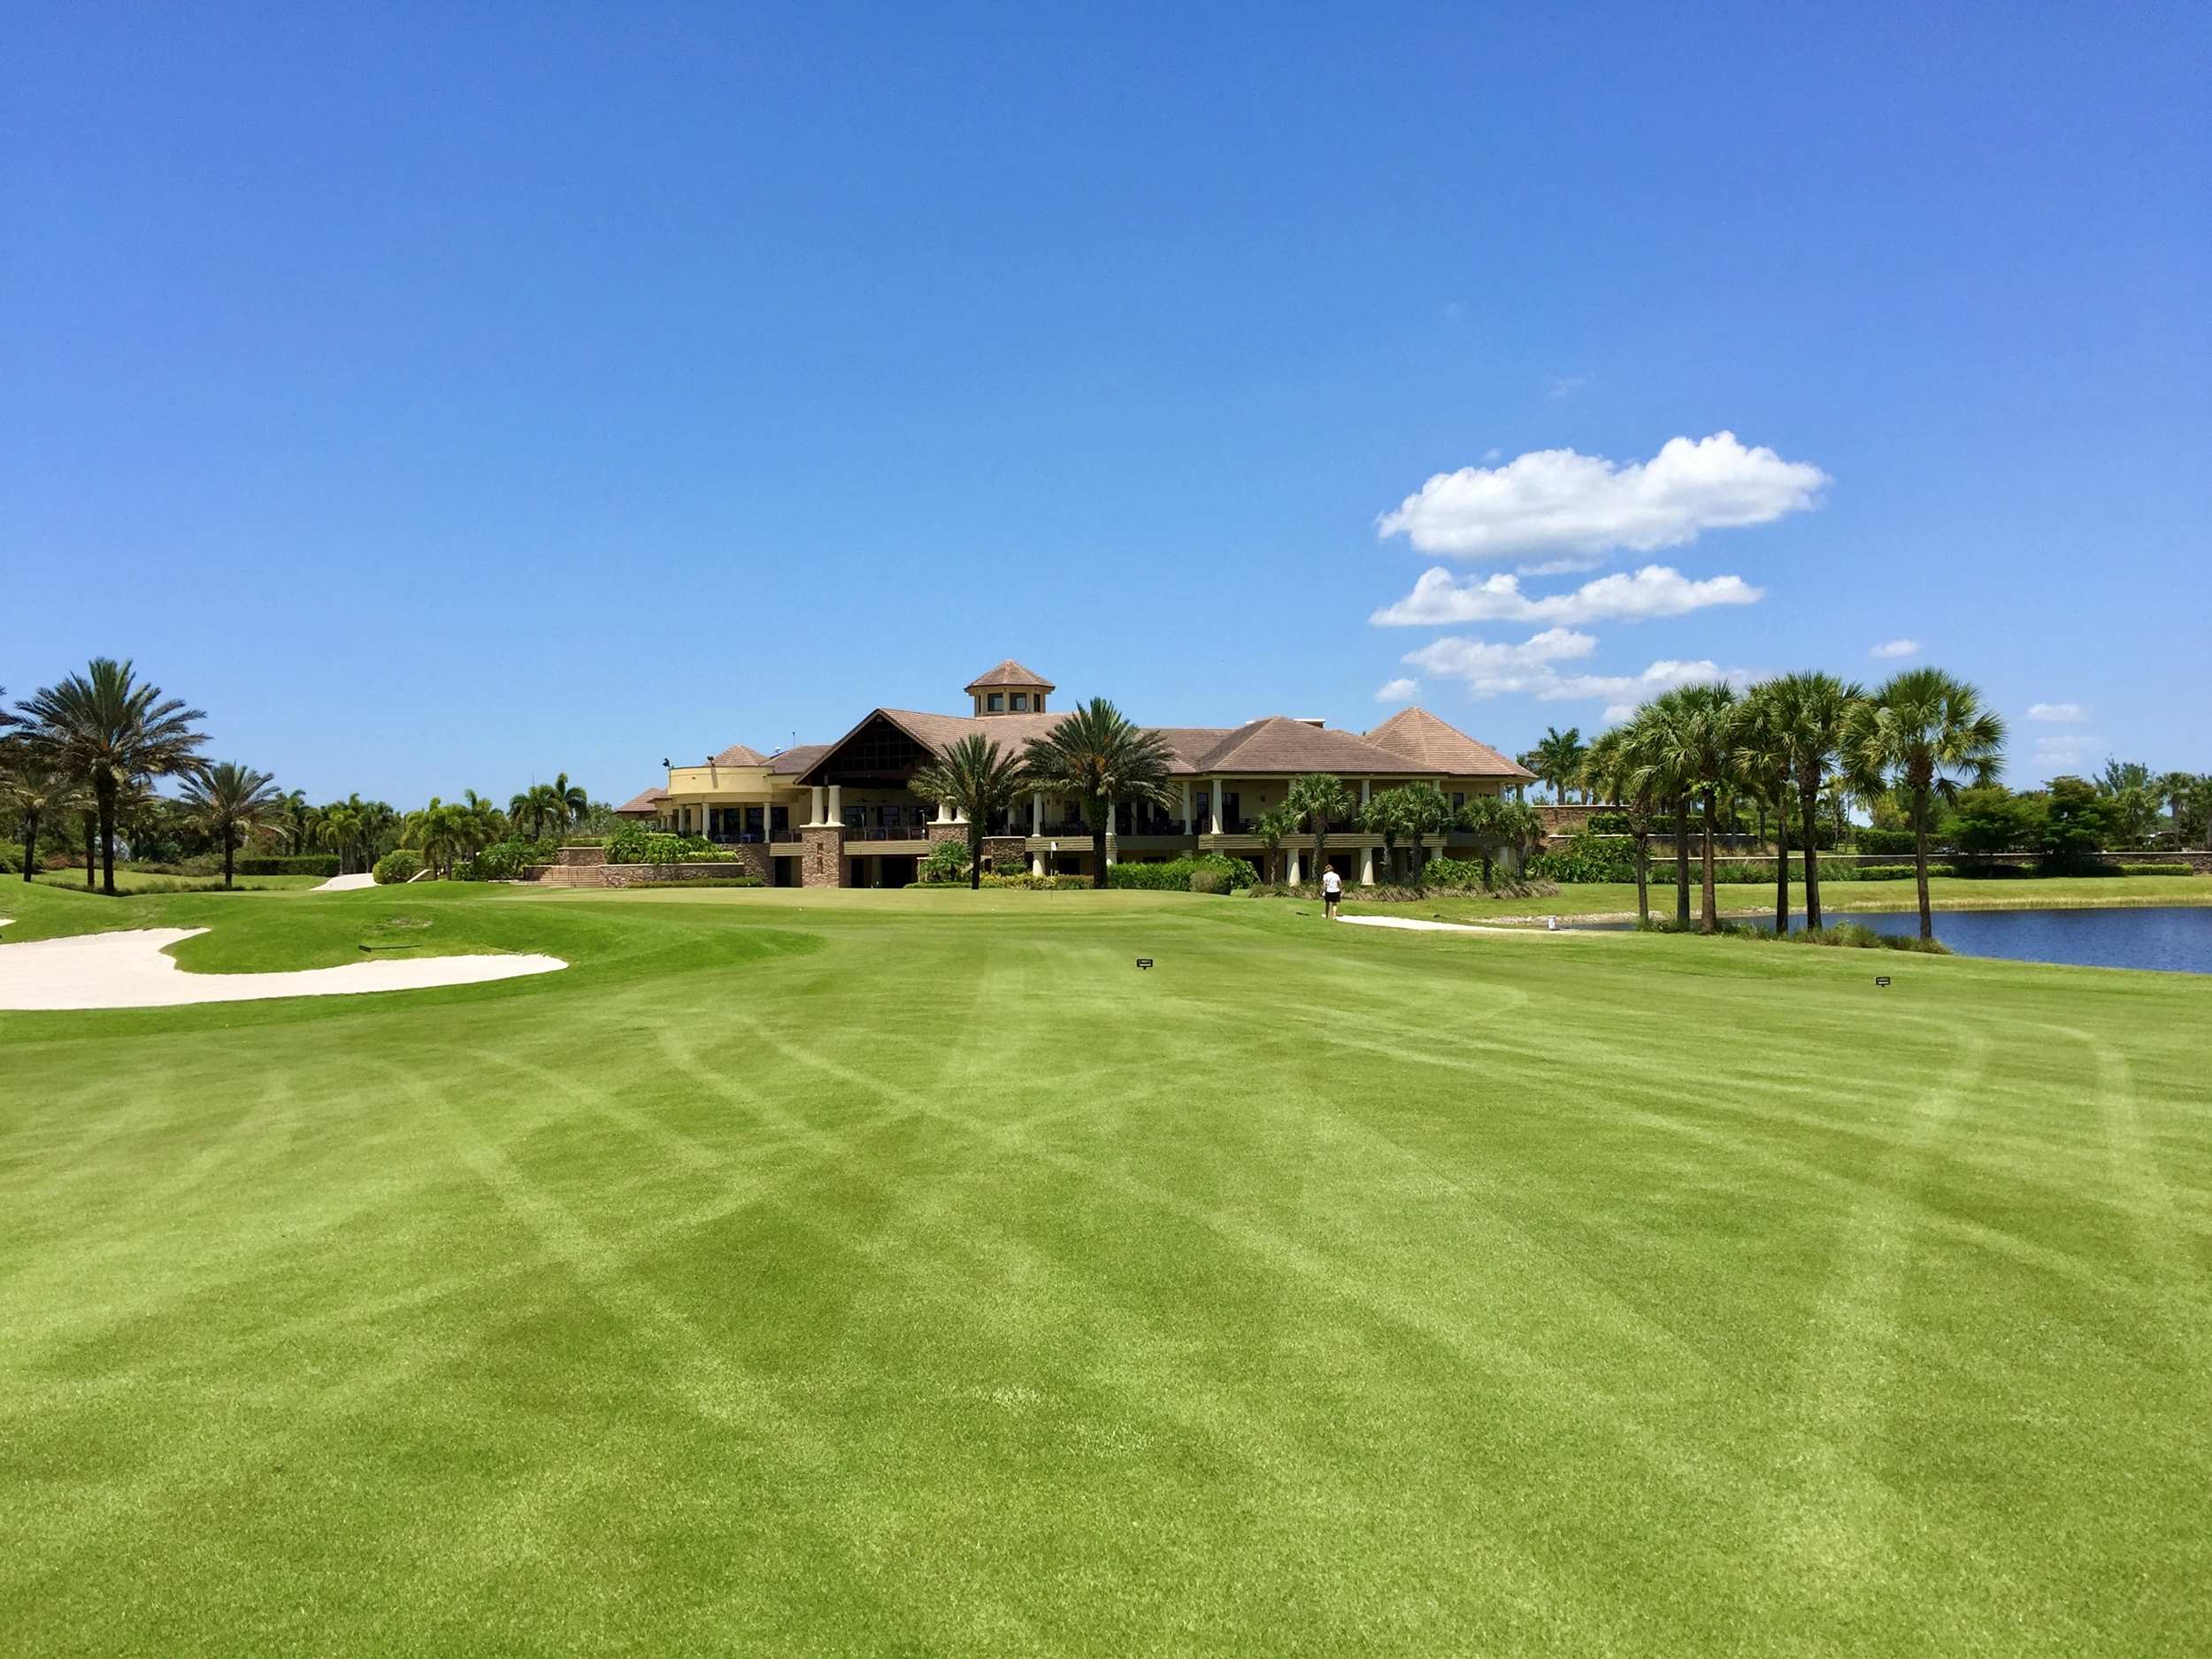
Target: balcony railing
888 831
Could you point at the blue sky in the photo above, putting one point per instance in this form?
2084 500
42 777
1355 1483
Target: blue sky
446 397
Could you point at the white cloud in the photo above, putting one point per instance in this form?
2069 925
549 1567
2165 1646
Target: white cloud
1530 669
1615 712
1561 566
1558 502
2063 713
1564 385
1403 689
1656 590
2068 751
1895 648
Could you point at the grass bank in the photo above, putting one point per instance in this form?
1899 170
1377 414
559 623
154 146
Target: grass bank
867 1272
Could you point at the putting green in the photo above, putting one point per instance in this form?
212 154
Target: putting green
909 1272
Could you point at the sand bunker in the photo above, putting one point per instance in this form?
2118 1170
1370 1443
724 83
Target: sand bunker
1417 923
128 970
345 884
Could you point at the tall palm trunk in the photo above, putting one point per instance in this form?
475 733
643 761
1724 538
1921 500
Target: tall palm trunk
975 854
91 841
230 856
1920 863
1808 802
1643 879
1099 810
1782 860
30 843
104 791
1708 912
1682 861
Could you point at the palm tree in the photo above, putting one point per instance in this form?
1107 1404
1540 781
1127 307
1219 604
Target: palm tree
228 798
37 789
338 826
298 821
1271 826
1664 749
1318 800
1809 712
1923 734
443 832
107 727
1500 826
1763 760
536 807
979 781
1383 814
1714 713
1427 810
1610 766
1558 760
573 799
1096 757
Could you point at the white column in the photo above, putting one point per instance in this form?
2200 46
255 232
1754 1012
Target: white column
815 822
944 813
1290 869
1363 791
1187 807
1037 815
836 804
1367 866
1218 788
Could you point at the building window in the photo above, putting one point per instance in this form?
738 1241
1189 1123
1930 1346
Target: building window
1021 702
779 822
1459 798
996 703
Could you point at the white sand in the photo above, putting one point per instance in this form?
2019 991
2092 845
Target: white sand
346 884
128 970
1417 924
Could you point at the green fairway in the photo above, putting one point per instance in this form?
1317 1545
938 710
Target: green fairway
908 1272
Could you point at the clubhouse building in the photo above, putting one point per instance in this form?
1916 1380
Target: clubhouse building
841 814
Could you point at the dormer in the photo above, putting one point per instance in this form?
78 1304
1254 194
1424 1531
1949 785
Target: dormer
1010 688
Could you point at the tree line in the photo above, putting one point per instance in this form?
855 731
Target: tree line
85 756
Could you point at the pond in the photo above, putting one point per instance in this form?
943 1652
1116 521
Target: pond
2175 938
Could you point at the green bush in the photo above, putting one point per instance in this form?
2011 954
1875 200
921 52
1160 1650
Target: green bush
10 861
1586 857
1871 839
1036 884
505 861
1453 874
946 862
635 844
704 881
397 867
1858 936
1176 875
322 864
2156 870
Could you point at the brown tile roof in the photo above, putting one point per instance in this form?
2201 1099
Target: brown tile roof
1009 672
795 760
1419 735
647 804
1279 744
738 755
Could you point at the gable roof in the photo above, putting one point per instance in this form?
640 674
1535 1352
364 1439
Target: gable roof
646 805
1009 672
795 760
738 755
1420 736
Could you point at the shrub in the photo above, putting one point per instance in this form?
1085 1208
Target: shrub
396 866
1209 881
947 862
1175 875
2156 870
1873 840
1450 873
1858 936
504 861
10 861
1586 857
635 844
704 881
1038 884
322 864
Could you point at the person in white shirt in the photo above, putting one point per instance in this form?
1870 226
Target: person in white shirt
1331 892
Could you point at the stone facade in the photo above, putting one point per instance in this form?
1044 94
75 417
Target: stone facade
947 832
822 862
641 875
574 855
1006 855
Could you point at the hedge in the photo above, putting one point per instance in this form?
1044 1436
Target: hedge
1175 874
634 844
324 864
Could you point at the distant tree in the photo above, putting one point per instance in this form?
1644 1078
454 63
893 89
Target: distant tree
107 727
1990 819
1319 801
339 827
979 781
1923 735
1763 763
575 801
1271 826
1557 760
2078 823
1097 759
38 791
1383 814
1426 811
231 801
1499 827
1610 765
